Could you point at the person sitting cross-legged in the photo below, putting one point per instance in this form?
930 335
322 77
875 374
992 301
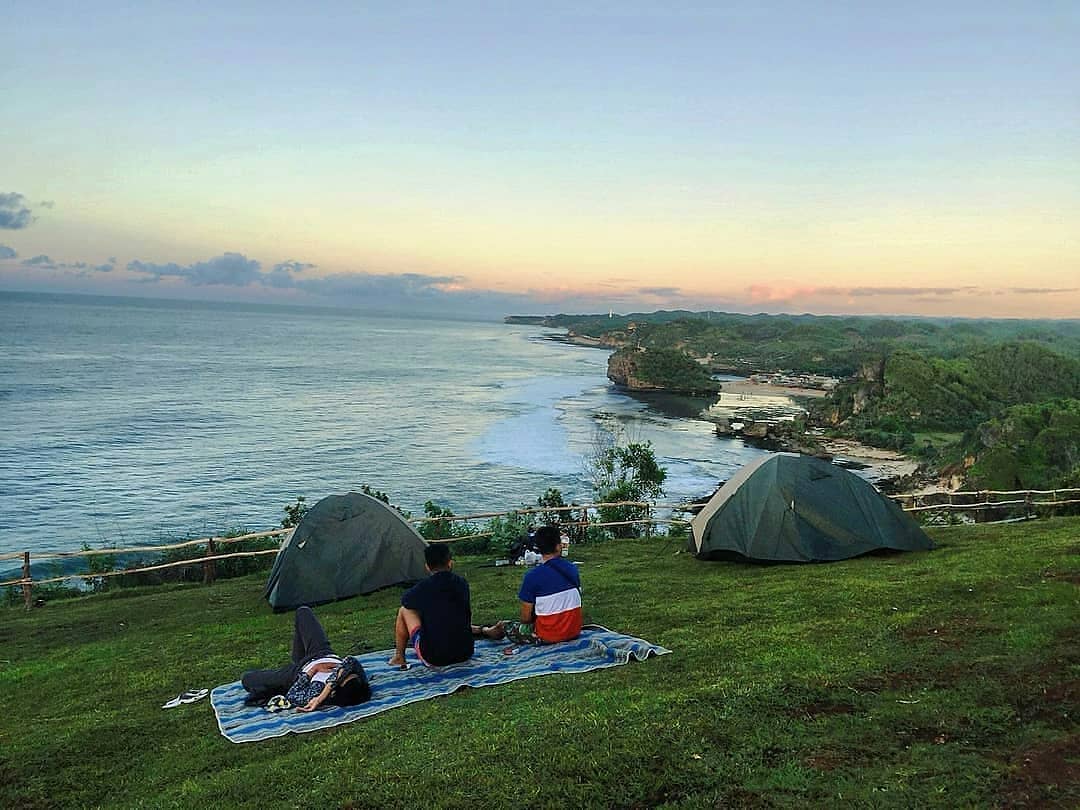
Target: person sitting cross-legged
435 614
550 597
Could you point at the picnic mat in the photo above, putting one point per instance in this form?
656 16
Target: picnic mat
596 648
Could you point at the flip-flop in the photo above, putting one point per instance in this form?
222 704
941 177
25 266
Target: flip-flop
190 696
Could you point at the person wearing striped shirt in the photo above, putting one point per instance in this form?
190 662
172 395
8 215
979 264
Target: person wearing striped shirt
550 597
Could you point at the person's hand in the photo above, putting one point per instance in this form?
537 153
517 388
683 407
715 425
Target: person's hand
316 701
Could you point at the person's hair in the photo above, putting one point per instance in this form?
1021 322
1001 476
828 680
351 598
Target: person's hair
437 555
354 691
547 539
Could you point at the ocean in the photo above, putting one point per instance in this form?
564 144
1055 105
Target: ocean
128 421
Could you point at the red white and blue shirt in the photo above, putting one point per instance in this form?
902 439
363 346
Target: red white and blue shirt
554 589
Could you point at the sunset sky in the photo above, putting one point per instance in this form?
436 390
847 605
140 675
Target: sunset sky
495 158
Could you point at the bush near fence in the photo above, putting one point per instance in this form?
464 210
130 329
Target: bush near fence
236 554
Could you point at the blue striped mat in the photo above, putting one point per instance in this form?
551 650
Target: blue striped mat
596 648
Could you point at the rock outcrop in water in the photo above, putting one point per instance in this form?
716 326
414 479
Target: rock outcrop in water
637 369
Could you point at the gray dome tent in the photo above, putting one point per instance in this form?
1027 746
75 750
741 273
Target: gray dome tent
795 508
345 545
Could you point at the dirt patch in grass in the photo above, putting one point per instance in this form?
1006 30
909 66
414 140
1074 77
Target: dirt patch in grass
1066 576
888 681
825 760
948 674
1046 775
1051 703
951 632
820 708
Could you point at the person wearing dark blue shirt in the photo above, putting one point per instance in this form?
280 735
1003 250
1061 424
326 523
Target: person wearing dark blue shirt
435 615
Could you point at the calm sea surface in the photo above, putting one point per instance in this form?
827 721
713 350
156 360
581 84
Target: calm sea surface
126 422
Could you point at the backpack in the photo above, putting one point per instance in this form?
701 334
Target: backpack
518 548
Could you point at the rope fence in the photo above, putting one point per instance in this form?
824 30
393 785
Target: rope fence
972 501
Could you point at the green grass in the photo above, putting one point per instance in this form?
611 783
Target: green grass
937 439
948 678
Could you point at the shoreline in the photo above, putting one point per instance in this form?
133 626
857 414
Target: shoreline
891 466
579 340
749 398
749 387
764 401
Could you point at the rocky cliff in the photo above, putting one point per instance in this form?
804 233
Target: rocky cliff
659 370
624 368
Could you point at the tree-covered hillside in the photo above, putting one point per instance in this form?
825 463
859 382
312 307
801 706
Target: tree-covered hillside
668 369
988 399
1012 410
935 393
1031 446
820 344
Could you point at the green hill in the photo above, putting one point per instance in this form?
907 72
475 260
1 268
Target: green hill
823 344
948 678
948 391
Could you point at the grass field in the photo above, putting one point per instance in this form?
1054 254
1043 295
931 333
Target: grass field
948 678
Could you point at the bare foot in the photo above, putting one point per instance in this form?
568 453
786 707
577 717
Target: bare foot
397 661
496 631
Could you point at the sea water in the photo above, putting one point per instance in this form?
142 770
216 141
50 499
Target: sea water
130 421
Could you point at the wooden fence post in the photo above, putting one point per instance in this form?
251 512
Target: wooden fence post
27 587
648 525
209 568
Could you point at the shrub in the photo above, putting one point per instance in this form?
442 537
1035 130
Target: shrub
443 529
294 513
626 473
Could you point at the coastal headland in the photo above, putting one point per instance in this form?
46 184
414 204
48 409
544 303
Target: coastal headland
761 400
946 403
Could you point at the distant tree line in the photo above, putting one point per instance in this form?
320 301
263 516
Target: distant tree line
991 400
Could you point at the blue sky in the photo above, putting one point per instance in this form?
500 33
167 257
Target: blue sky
783 157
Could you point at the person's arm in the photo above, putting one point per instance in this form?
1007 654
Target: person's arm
527 596
316 701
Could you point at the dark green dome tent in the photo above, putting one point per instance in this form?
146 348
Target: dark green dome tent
796 508
345 545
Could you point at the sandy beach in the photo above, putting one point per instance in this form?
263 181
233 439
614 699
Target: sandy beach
754 400
749 387
749 399
885 463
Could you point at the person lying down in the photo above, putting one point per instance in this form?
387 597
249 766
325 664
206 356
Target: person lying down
314 677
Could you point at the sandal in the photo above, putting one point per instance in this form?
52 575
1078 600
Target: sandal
190 696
